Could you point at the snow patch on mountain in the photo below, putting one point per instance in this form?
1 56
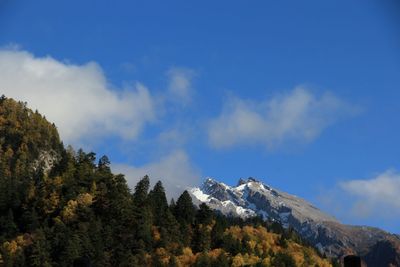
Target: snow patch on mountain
253 198
197 193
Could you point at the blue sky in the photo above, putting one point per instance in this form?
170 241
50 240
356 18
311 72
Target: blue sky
303 95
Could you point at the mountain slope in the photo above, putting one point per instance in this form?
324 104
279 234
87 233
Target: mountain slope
253 198
63 208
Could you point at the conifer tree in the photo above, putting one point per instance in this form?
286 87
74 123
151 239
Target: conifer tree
40 256
141 191
184 209
203 260
142 215
283 259
221 261
104 163
173 262
158 204
204 215
201 238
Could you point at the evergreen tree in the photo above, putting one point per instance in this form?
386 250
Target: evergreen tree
217 232
184 213
204 215
184 209
201 238
173 262
142 216
158 204
104 164
141 192
203 260
231 244
221 261
40 256
202 234
282 259
172 204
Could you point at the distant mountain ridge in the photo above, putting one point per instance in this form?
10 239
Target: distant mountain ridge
253 198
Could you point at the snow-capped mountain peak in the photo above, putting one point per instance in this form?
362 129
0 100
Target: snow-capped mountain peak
257 199
251 197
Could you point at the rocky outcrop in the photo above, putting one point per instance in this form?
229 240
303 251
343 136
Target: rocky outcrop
47 159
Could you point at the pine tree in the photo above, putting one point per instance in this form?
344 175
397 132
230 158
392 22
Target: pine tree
162 216
172 204
283 259
158 204
40 256
184 213
142 215
204 215
104 164
203 260
201 238
184 209
221 261
8 225
173 262
141 191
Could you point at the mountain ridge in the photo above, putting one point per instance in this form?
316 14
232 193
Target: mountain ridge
253 198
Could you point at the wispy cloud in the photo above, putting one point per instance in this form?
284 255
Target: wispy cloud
374 201
175 171
373 197
77 98
180 85
298 115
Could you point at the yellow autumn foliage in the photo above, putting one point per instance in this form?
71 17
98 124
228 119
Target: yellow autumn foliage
250 259
262 242
18 243
215 253
162 255
156 233
85 199
68 214
237 260
57 181
10 247
187 258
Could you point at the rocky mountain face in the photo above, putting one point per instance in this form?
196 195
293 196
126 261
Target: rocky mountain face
253 198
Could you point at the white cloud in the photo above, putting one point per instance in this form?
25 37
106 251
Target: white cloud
298 115
77 98
374 201
375 196
174 170
180 84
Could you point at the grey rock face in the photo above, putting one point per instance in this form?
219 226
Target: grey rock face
46 160
251 198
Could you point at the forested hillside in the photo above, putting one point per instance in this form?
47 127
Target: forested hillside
60 207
